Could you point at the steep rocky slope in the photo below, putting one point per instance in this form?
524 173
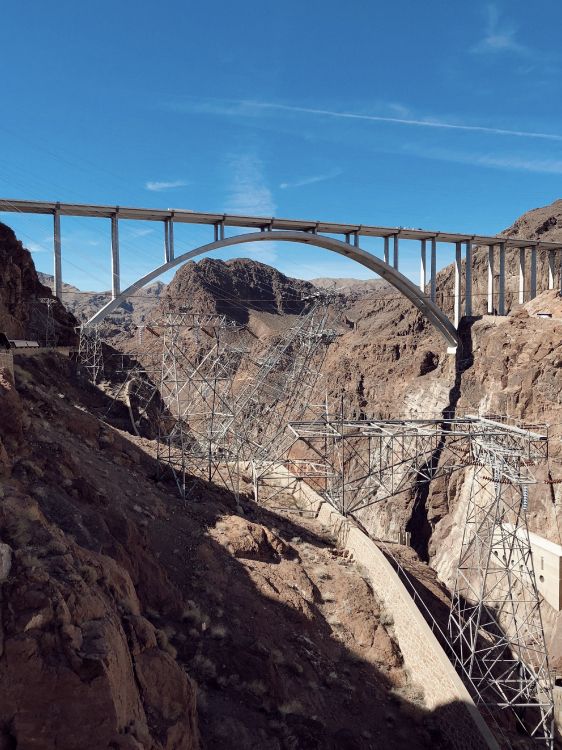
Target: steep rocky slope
129 620
22 315
122 608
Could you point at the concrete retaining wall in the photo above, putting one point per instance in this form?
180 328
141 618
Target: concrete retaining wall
429 666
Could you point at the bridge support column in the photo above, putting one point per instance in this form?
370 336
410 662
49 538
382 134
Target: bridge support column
490 279
468 280
533 279
551 268
115 274
433 268
522 252
386 250
221 230
423 272
57 267
395 252
168 240
457 298
501 289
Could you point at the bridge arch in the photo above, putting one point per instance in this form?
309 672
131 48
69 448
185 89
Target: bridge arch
406 287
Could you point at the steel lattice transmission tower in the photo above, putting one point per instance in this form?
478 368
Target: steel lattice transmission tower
496 635
280 385
194 383
90 352
173 428
222 405
495 623
50 330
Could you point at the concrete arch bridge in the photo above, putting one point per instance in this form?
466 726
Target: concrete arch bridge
253 229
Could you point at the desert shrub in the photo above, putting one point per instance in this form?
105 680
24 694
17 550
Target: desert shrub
218 632
164 643
291 707
193 614
204 667
257 688
55 548
386 618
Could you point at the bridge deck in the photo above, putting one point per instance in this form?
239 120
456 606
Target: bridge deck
183 216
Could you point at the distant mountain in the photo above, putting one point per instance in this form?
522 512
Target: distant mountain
235 288
130 314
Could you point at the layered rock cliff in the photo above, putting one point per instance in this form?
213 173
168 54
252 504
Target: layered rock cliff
22 314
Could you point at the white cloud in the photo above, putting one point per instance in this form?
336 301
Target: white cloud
311 180
542 166
505 161
35 247
407 121
135 233
499 37
248 192
250 108
160 186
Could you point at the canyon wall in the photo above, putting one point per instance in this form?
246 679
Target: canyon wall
22 315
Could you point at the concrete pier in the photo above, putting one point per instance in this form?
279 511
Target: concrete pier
457 299
468 280
219 231
533 285
115 273
433 268
168 240
490 306
423 272
522 251
551 268
501 289
57 267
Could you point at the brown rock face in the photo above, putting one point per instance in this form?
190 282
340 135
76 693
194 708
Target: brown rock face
21 313
232 287
253 542
80 665
539 224
114 591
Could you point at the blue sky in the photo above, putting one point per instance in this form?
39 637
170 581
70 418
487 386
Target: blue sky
430 114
